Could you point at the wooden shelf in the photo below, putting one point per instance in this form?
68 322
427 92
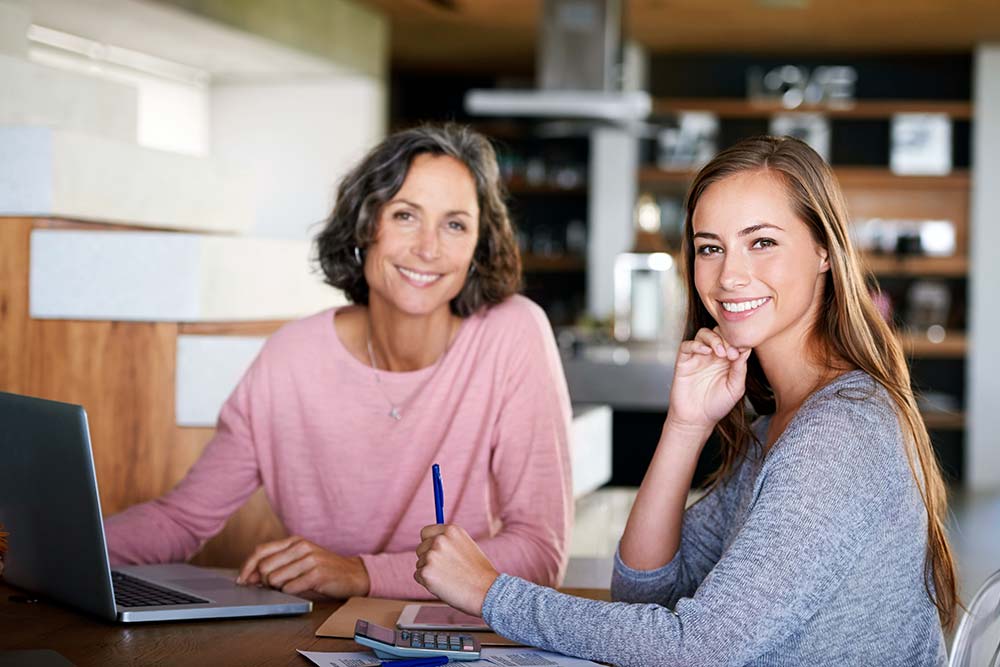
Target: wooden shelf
861 109
501 129
552 264
953 346
944 421
881 177
654 177
873 177
943 267
519 186
256 328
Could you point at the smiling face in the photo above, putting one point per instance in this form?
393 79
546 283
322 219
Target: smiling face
426 236
757 268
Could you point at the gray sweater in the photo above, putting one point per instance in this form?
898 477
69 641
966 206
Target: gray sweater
813 556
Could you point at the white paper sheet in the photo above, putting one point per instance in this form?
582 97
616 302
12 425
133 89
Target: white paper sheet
492 657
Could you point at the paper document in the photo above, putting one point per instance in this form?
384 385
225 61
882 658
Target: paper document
366 659
492 657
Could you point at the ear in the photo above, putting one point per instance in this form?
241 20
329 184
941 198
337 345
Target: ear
824 260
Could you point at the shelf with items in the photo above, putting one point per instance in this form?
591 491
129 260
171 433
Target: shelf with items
518 185
546 181
950 345
880 177
896 219
651 177
532 263
874 193
860 109
944 421
956 266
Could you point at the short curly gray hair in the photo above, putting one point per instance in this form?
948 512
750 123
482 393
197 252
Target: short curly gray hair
376 180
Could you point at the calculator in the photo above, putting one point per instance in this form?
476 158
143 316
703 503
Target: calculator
395 644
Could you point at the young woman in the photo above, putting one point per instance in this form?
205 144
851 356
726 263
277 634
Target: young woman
343 413
821 540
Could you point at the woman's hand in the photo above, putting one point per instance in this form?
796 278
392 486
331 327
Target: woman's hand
295 566
709 379
453 567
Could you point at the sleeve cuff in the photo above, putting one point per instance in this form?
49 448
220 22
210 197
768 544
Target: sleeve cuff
632 574
498 595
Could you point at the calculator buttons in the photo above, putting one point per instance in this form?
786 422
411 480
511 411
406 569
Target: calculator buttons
436 641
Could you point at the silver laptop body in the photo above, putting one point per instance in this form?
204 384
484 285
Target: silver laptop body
50 507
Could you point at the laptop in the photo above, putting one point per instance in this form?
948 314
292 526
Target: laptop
50 507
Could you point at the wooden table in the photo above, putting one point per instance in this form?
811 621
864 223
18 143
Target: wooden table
85 640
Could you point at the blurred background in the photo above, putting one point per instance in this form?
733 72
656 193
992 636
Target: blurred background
166 163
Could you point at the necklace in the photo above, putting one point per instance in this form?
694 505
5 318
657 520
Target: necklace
396 409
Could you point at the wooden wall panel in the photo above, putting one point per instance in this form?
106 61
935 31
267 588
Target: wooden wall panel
14 256
123 373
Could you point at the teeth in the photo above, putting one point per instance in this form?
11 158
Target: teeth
424 278
743 305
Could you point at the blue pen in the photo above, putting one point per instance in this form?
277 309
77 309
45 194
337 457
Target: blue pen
417 662
438 493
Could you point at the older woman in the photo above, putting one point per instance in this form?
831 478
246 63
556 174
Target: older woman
343 413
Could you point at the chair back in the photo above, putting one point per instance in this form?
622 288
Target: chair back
977 641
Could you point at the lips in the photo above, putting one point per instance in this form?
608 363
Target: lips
418 278
740 309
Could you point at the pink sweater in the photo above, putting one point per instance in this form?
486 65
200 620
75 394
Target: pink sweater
309 423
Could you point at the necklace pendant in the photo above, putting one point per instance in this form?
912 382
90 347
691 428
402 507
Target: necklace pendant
395 413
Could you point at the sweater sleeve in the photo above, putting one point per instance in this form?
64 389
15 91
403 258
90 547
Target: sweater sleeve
530 463
529 468
702 535
817 502
173 527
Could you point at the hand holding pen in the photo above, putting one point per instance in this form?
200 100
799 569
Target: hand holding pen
449 563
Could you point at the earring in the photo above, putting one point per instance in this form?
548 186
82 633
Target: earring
357 255
472 269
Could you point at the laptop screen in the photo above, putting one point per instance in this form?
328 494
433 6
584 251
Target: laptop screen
49 504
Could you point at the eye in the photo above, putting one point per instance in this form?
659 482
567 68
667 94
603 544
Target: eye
764 243
402 215
707 250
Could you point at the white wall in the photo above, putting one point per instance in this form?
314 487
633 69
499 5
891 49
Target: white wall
982 459
614 161
14 22
296 139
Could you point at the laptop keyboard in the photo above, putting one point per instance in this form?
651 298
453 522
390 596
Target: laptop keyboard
132 592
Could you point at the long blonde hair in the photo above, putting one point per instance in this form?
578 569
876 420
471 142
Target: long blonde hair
849 330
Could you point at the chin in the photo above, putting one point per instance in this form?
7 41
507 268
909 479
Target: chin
417 307
741 335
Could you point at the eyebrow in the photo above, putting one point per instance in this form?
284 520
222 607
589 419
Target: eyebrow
418 206
752 229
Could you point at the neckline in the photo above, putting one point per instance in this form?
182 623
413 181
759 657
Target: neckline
391 376
766 419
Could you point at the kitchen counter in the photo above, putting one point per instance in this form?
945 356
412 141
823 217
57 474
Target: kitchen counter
625 377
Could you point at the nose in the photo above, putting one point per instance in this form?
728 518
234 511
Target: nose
735 271
426 245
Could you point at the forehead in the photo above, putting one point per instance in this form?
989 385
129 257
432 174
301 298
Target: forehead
439 178
742 200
